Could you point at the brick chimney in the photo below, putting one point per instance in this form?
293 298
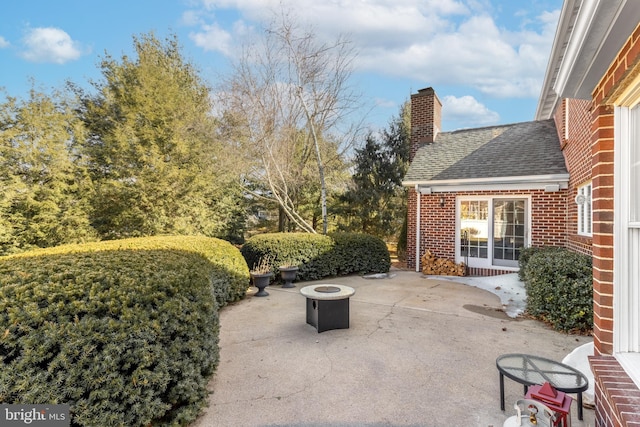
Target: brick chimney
426 118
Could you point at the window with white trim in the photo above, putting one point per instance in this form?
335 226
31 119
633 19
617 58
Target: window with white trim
626 282
583 200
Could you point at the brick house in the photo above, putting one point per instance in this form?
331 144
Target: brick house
592 91
483 193
591 99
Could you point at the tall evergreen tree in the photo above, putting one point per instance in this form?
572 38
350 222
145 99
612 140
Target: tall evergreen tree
375 201
45 193
152 150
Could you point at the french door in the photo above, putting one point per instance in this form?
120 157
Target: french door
492 231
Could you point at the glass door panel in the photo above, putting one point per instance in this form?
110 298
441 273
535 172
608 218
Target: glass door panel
474 228
509 231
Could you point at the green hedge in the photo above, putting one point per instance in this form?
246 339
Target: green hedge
230 273
126 332
525 255
319 256
559 285
360 253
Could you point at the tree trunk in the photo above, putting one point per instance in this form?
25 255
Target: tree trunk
314 135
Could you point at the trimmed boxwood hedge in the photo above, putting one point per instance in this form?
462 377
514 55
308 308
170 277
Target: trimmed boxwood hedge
125 332
319 256
559 285
360 253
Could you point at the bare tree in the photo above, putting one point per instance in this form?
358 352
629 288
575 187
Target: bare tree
292 95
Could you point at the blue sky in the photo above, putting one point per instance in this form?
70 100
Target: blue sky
486 59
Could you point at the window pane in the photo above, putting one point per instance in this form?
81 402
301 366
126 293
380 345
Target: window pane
508 228
473 228
483 251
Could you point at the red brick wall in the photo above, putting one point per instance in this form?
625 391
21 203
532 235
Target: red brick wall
573 121
617 398
426 121
426 118
438 224
602 152
549 218
411 228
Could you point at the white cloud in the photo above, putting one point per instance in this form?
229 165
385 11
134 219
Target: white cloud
476 53
436 42
385 103
191 18
212 38
467 110
3 43
50 45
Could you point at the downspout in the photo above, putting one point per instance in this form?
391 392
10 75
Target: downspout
418 203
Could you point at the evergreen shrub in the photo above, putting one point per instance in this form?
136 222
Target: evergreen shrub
525 255
559 285
318 256
125 332
401 249
360 253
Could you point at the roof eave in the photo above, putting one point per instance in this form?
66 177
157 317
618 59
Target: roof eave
589 35
532 182
548 98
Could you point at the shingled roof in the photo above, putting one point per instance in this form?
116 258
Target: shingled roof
525 149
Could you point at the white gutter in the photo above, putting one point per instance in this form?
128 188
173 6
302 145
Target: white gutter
548 98
588 37
531 179
575 44
418 203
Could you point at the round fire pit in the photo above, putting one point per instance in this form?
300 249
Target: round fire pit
328 306
326 289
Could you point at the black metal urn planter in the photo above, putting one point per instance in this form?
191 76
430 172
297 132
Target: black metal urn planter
261 275
288 274
261 281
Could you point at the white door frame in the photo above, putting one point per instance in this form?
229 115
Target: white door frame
488 262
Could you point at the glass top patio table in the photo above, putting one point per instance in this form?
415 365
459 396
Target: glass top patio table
531 370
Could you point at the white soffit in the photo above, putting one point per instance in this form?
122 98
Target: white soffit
590 34
548 98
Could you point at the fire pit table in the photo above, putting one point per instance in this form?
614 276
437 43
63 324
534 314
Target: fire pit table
328 306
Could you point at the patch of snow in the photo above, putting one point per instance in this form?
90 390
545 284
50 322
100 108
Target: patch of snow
379 276
507 287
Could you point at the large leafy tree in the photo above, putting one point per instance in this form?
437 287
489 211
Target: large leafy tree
375 201
152 149
45 191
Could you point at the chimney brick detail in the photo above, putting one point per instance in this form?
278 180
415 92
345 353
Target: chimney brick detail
426 118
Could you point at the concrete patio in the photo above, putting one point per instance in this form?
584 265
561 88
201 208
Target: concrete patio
419 352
